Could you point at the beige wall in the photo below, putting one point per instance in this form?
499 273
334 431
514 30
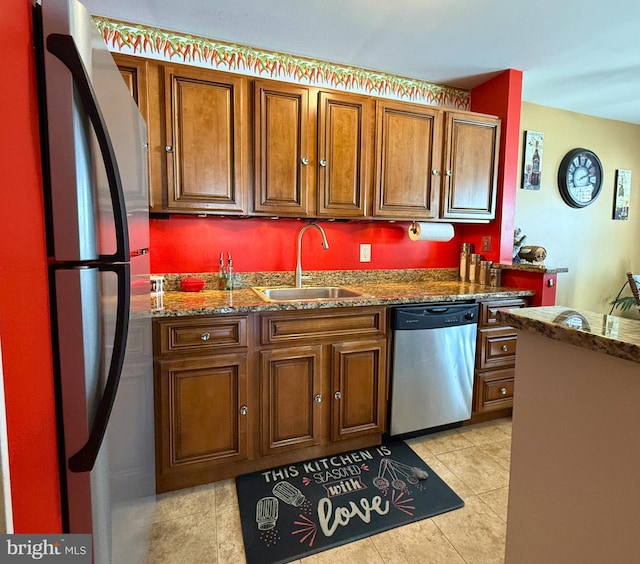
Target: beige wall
597 250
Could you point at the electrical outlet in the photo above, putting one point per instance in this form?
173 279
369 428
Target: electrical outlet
486 244
365 252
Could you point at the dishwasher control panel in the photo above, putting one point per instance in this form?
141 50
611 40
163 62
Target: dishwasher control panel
433 316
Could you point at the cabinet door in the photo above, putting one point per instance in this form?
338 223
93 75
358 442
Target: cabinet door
135 73
408 156
358 405
203 415
471 166
205 145
344 153
281 145
291 398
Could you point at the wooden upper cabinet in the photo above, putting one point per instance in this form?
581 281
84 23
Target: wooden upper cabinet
135 72
206 152
408 156
281 148
344 154
472 143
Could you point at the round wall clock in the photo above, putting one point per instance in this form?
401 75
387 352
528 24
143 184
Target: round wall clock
580 177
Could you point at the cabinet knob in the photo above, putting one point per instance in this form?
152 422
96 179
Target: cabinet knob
323 162
435 172
244 410
337 395
503 391
304 160
505 348
169 148
448 173
205 336
318 398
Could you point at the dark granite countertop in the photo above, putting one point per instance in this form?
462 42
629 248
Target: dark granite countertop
436 286
608 334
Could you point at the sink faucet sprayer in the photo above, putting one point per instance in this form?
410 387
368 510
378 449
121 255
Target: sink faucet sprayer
325 246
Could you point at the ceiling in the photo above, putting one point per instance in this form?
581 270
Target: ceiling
576 55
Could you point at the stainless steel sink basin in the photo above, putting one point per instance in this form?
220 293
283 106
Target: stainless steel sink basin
306 293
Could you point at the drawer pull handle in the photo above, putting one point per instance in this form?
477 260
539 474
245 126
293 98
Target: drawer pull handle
503 391
505 348
338 395
318 398
304 161
205 336
323 162
244 410
435 172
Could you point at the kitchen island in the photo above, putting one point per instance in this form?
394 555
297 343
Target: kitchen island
574 494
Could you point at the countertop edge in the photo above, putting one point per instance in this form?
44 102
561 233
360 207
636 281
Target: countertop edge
217 302
614 336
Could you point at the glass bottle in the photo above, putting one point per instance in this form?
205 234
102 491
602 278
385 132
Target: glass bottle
222 274
229 280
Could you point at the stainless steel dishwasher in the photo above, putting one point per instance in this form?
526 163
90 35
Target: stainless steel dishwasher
433 356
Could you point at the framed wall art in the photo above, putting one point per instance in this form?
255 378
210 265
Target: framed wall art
532 160
622 194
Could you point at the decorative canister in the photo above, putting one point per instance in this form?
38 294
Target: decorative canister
495 277
474 268
485 272
466 249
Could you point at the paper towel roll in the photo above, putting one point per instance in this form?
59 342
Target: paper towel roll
426 231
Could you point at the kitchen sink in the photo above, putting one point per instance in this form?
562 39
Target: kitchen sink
306 293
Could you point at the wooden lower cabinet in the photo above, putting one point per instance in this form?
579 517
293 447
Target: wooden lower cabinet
291 396
242 393
359 384
203 416
495 358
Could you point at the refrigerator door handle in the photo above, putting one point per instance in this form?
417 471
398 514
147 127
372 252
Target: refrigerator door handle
85 458
64 48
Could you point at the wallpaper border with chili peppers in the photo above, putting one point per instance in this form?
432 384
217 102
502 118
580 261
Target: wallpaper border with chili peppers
159 44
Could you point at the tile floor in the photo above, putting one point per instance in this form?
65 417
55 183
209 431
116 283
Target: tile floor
202 524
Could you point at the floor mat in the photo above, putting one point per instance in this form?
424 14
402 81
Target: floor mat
300 509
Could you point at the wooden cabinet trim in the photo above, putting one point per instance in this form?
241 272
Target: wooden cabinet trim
299 326
201 334
497 347
494 389
488 310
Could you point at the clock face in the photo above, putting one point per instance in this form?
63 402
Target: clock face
580 177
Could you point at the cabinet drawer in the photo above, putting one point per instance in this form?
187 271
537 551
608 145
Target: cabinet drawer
488 310
204 334
298 326
497 347
494 389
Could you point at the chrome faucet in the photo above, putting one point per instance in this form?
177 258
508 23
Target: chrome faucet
325 245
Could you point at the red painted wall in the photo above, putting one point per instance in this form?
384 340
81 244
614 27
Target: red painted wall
24 317
193 244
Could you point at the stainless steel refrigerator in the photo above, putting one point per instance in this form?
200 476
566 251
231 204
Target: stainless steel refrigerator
94 167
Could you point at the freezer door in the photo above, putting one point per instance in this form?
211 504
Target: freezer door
97 141
110 477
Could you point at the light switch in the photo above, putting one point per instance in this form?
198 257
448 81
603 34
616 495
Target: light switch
365 252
